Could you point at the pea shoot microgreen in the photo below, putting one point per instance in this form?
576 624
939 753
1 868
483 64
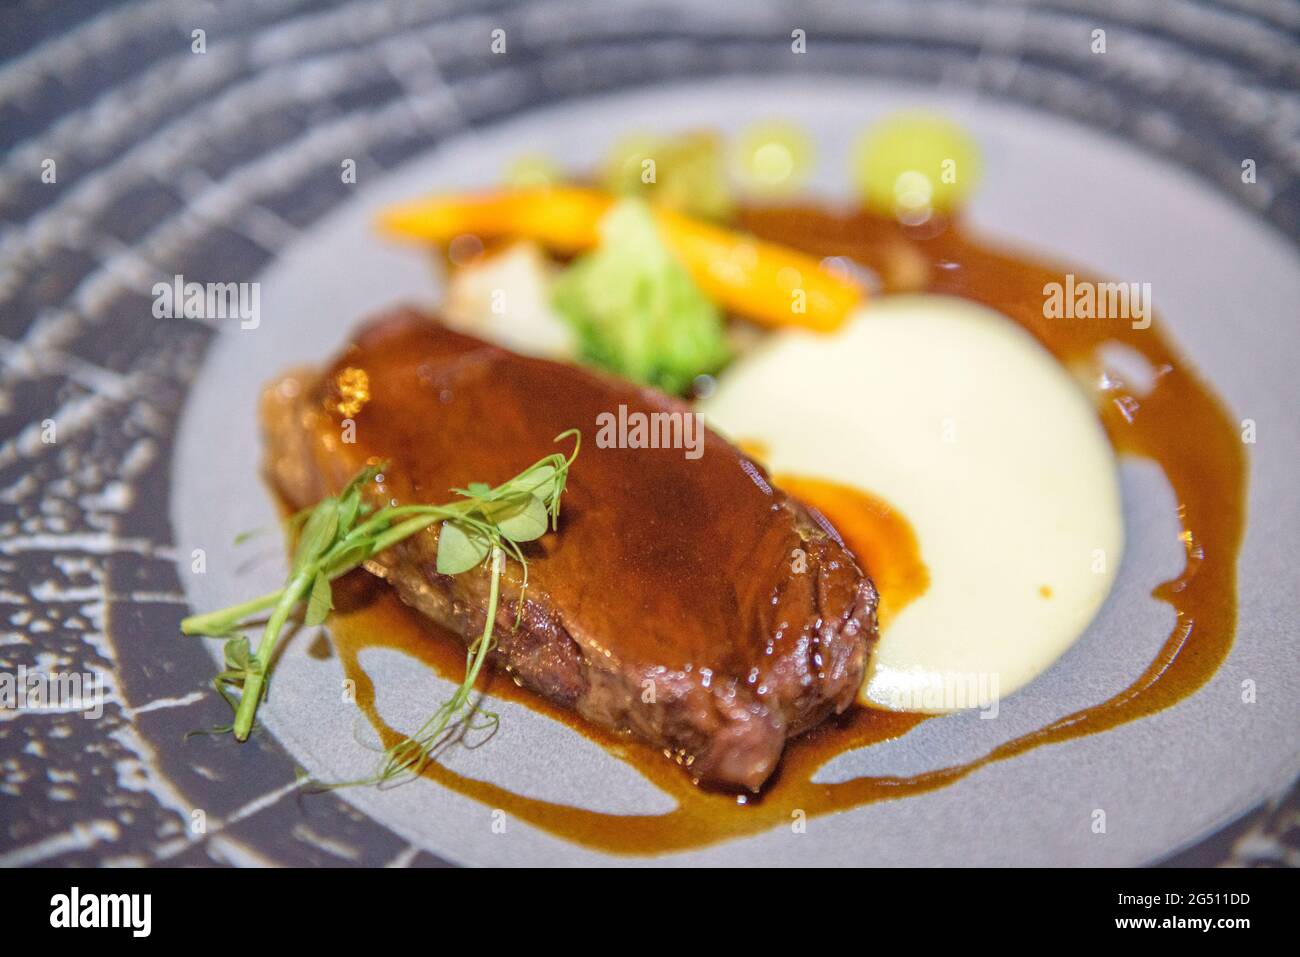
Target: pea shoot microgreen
486 525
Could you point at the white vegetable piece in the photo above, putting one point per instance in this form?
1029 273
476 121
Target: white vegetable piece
505 298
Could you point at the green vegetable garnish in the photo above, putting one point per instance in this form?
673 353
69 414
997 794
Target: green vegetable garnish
636 311
485 526
685 172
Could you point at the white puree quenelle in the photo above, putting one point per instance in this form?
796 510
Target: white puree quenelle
958 418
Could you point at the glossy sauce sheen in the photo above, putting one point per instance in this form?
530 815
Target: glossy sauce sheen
663 584
1180 425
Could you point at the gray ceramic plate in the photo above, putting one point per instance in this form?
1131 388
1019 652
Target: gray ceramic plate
1051 187
224 166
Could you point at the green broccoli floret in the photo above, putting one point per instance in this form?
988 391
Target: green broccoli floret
636 311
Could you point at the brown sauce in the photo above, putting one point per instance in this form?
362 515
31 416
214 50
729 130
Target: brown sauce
878 535
1180 425
701 817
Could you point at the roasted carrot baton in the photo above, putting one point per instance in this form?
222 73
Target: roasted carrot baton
560 218
766 282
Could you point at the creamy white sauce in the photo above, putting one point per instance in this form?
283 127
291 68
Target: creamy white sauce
958 418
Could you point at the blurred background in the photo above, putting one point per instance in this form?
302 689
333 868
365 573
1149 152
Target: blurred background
165 137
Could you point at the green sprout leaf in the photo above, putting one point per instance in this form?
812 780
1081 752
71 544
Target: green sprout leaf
520 518
320 602
539 480
318 533
349 506
238 654
460 548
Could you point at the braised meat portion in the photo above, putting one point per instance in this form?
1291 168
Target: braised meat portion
684 599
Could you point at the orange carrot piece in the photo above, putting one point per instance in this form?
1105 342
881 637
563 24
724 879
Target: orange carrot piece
766 282
763 281
562 218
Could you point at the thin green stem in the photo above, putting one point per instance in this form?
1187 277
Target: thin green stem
410 754
255 682
410 527
217 622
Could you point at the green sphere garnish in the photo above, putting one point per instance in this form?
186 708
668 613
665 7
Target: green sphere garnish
912 165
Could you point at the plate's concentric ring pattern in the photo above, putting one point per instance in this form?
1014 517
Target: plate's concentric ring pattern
168 161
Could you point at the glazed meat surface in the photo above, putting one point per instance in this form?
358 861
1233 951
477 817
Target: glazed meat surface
683 600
